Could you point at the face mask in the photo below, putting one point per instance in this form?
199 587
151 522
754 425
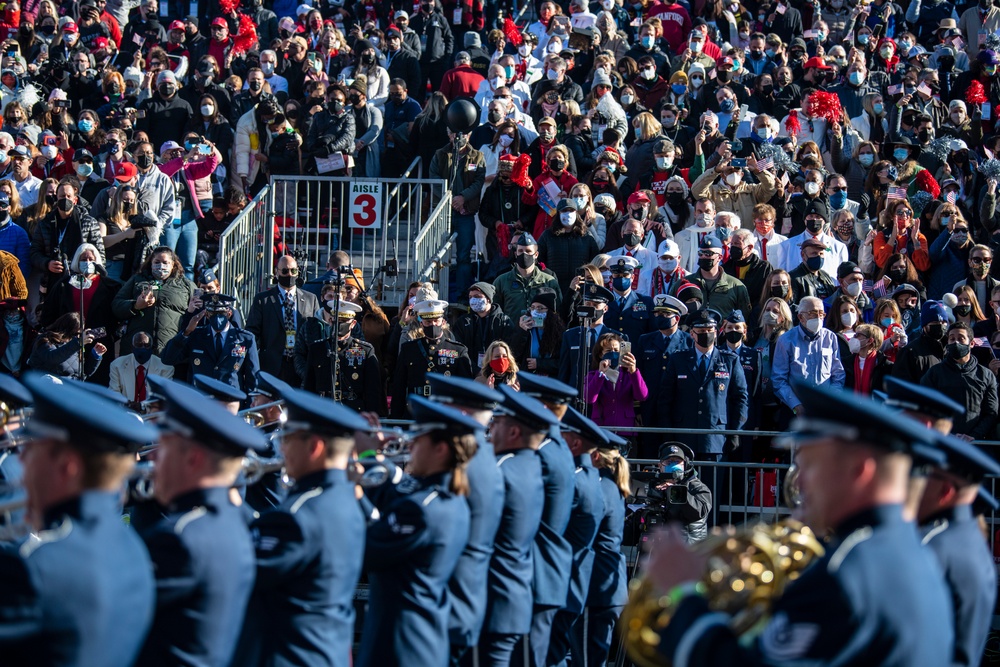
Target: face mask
494 117
770 53
613 358
557 165
863 39
885 53
524 50
854 289
695 47
706 339
508 72
706 263
667 265
160 270
813 325
567 218
144 161
812 188
838 200
85 125
696 82
678 89
935 330
814 264
337 106
478 304
897 275
525 261
142 354
433 331
631 240
168 89
65 205
49 152
724 76
664 322
500 366
701 220
866 160
727 104
886 322
605 277
638 133
963 311
88 268
959 238
814 226
649 74
957 351
553 75
621 283
50 200
733 178
84 170
854 345
856 78
733 337
900 154
770 318
538 315
218 321
646 41
723 233
267 68
925 136
675 199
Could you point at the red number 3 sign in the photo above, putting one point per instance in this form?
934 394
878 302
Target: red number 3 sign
366 205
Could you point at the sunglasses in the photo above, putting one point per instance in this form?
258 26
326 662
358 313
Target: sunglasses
979 260
289 272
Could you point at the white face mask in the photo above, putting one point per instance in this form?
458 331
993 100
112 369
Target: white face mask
812 187
848 319
50 152
701 220
627 99
854 345
161 270
499 82
567 218
770 318
664 162
667 265
524 50
478 304
506 140
538 315
854 289
649 74
733 179
813 325
695 46
207 109
88 268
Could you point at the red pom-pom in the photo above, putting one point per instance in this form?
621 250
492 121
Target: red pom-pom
975 94
826 106
519 174
511 32
504 236
928 183
246 36
792 124
228 6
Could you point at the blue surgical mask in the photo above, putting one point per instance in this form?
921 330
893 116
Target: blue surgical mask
188 145
580 203
613 357
508 72
723 233
900 154
770 53
638 133
885 321
838 200
866 160
856 78
646 41
727 105
945 219
674 469
85 125
621 283
863 39
678 88
878 108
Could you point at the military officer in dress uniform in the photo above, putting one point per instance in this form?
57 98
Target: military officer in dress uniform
518 428
80 590
309 554
628 312
874 598
597 297
703 387
202 553
357 380
734 335
221 350
552 552
433 352
652 352
467 588
583 438
949 528
412 551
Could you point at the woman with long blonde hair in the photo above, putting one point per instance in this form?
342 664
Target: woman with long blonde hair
499 366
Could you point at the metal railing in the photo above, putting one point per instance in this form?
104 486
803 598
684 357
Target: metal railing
312 214
246 250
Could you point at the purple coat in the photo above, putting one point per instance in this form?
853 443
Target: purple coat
614 404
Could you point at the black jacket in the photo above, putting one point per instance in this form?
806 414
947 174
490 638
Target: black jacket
972 385
476 333
440 40
914 360
165 120
755 277
804 283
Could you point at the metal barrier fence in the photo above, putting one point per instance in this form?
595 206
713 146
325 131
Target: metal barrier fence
403 218
245 251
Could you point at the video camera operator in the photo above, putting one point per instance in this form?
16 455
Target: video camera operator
676 493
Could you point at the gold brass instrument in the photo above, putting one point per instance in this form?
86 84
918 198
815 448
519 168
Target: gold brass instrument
747 569
790 488
140 482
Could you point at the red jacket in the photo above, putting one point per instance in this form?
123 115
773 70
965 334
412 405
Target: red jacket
462 81
543 220
472 14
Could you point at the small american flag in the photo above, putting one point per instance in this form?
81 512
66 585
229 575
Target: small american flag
896 192
951 197
766 163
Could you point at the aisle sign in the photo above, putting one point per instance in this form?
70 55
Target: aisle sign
365 211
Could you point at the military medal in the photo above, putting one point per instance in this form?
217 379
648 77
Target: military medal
197 362
354 376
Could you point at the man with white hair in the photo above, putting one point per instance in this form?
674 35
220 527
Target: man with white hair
268 65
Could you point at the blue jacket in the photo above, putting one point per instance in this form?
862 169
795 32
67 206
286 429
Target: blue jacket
651 354
509 600
633 318
411 554
950 265
81 593
237 365
964 555
467 589
856 605
308 566
204 564
717 401
585 521
14 239
552 554
608 579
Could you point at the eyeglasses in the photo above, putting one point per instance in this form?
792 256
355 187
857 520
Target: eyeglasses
763 220
812 313
155 63
148 153
959 230
708 253
288 272
904 213
980 260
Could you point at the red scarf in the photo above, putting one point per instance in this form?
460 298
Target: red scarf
863 377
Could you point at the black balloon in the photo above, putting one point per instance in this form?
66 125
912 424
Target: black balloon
463 115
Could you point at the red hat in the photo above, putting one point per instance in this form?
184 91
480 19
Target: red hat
726 60
100 43
177 25
639 197
220 21
125 172
70 27
816 63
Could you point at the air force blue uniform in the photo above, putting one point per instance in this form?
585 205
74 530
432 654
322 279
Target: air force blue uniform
632 315
235 363
714 400
651 355
411 554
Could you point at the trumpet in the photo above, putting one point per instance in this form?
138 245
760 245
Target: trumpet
139 486
748 568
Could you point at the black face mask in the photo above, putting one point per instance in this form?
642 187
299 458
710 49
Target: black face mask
631 240
766 89
814 226
963 311
65 205
344 328
494 116
705 339
779 291
218 321
723 76
286 281
706 263
433 331
255 85
675 199
935 330
734 337
144 161
957 351
557 165
50 200
336 106
525 261
745 260
664 322
897 275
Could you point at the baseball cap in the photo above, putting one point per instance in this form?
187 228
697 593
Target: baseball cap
125 172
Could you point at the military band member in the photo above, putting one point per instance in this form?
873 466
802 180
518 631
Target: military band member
227 395
855 605
15 398
309 552
583 438
434 352
270 490
80 591
411 552
221 350
518 428
202 553
467 588
357 381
